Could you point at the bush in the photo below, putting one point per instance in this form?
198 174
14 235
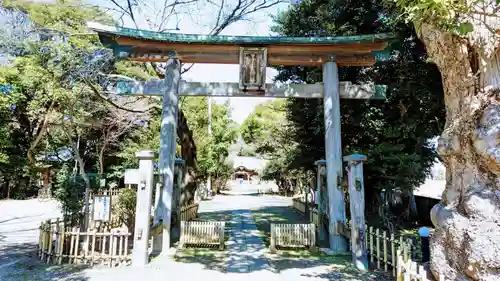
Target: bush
125 208
70 192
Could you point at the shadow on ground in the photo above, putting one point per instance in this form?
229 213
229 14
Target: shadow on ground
306 262
20 262
322 266
12 220
211 258
264 217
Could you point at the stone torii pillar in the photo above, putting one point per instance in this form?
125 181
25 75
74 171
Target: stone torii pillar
333 150
158 216
357 207
168 133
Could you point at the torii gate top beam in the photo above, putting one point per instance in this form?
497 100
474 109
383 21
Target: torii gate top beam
149 46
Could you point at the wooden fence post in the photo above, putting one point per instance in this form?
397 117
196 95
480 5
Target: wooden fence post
272 244
357 205
221 234
62 238
393 254
319 200
50 239
384 241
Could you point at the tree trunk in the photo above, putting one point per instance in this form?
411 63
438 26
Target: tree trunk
188 153
81 165
466 241
101 161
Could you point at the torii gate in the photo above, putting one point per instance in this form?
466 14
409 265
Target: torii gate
253 54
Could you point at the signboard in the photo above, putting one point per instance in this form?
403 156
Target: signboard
101 208
132 176
253 62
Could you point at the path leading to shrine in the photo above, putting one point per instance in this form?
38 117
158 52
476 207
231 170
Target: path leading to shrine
245 257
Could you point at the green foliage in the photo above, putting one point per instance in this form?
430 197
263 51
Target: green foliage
264 128
147 137
212 151
393 133
125 207
70 192
67 16
53 101
454 16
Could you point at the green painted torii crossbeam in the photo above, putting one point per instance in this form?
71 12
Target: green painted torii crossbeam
253 54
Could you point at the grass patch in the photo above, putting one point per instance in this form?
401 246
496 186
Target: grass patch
332 267
215 216
210 258
264 217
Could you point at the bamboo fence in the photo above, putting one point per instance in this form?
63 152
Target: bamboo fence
385 251
189 212
103 243
203 233
382 247
108 192
299 205
292 235
60 243
411 271
313 212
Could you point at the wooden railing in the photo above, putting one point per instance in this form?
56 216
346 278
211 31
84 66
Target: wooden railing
385 251
108 192
189 212
202 233
380 246
292 235
299 205
314 217
44 193
60 243
410 270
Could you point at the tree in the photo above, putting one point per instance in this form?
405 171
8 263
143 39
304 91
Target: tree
212 150
56 91
162 16
264 128
462 39
393 133
269 130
